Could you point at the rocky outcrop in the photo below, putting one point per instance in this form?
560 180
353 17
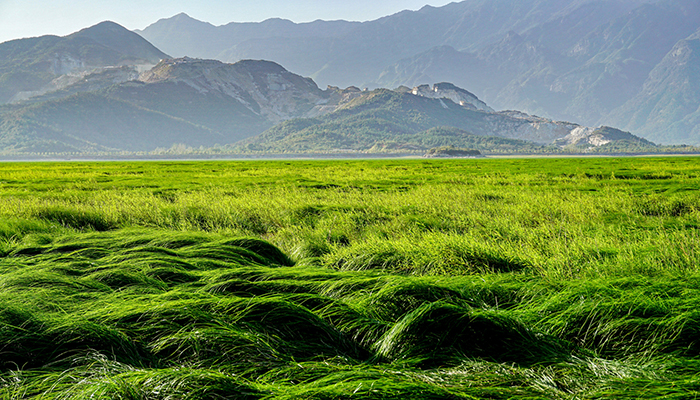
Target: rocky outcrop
518 125
595 137
335 98
451 92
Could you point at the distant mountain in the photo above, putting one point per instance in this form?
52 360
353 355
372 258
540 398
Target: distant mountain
264 87
386 120
100 93
588 61
342 53
667 109
574 66
203 103
28 66
275 39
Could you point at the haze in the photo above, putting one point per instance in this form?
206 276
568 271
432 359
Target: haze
28 18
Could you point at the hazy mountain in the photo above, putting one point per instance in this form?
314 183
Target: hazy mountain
30 65
93 122
97 90
183 36
580 65
621 54
667 108
574 60
342 53
265 88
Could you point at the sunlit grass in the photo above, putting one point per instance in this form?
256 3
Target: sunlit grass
542 278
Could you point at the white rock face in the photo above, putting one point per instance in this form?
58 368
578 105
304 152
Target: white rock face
595 137
518 125
262 86
453 93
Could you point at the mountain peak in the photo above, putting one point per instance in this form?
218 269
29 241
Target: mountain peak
181 21
104 27
117 38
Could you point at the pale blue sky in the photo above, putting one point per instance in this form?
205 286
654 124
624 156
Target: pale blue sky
26 18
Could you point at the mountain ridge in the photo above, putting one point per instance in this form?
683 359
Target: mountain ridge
191 102
579 60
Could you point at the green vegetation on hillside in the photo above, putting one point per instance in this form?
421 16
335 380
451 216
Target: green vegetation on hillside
395 121
381 117
427 279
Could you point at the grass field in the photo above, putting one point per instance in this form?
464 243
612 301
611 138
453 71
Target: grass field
563 278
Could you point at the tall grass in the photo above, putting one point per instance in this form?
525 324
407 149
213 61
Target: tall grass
372 279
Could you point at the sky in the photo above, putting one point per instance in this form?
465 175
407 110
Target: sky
28 18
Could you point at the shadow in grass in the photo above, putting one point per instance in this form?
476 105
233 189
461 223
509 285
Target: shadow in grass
389 259
246 288
263 249
440 334
76 219
172 383
217 345
29 342
305 335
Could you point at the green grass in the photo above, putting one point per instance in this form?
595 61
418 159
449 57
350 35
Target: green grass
432 279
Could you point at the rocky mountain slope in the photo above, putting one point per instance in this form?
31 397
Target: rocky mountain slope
668 105
576 60
89 122
590 79
264 87
179 101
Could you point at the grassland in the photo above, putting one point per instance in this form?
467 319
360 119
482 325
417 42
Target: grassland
392 279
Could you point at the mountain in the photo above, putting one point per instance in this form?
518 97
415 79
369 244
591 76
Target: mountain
263 87
28 66
582 65
344 53
179 101
588 61
667 108
101 94
417 119
182 35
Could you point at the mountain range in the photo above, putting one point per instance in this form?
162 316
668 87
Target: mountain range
595 62
106 89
